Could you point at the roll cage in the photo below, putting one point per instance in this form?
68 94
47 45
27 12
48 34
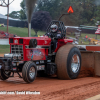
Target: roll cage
61 28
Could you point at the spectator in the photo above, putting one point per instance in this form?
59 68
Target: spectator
86 37
89 39
6 34
77 37
15 35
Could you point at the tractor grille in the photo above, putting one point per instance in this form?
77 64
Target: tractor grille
17 49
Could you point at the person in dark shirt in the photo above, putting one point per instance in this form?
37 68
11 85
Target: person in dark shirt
55 34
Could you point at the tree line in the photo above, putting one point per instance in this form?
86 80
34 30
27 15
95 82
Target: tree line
86 12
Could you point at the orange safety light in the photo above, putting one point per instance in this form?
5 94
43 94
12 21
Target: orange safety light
70 10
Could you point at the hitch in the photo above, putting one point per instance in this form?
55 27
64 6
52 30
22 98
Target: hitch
19 75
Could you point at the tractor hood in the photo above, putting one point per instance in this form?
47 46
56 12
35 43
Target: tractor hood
43 40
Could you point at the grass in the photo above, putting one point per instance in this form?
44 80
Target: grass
22 32
4 49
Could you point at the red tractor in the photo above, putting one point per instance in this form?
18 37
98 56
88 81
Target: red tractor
47 55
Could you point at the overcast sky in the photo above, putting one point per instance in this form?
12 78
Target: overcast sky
15 6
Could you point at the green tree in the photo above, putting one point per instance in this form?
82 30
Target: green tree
52 6
22 11
14 14
88 13
40 21
97 14
57 7
19 14
85 11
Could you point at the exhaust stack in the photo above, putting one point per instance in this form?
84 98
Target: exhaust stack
29 29
30 4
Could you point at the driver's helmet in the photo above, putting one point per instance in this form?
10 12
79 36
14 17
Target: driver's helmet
54 28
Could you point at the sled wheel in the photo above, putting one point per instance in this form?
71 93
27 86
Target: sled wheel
4 74
29 72
68 61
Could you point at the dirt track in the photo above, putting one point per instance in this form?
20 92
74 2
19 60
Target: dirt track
1 55
51 88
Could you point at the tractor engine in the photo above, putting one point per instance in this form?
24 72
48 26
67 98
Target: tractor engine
28 49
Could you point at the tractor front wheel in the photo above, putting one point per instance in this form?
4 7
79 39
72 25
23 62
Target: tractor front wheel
68 61
29 72
4 74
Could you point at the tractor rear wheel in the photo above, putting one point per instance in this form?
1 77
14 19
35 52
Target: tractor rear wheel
68 61
29 72
4 74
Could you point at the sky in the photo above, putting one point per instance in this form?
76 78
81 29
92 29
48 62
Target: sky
15 6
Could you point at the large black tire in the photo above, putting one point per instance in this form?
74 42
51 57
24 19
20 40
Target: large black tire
32 43
26 71
63 61
4 74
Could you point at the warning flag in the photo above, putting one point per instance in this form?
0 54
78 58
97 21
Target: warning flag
70 10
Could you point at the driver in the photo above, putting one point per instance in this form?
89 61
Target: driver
54 28
54 32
